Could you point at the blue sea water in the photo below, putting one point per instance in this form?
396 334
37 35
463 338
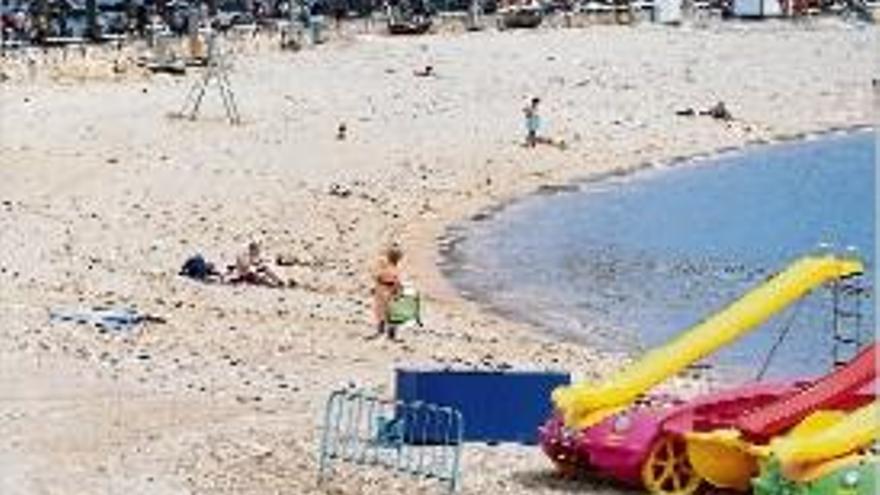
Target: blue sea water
625 264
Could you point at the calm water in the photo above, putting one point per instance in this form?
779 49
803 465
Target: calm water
627 263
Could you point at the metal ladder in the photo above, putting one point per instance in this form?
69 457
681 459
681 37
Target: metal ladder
216 70
847 319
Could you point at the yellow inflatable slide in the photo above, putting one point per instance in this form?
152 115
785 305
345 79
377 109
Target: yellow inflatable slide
852 432
584 404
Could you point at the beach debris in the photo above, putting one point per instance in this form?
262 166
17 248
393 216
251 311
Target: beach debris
550 189
174 67
428 71
105 318
339 190
341 131
293 260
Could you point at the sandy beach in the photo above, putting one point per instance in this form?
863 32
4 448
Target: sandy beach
103 195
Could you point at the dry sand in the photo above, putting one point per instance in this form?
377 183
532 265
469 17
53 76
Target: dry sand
102 196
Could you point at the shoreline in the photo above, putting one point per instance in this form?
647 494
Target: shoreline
445 237
431 270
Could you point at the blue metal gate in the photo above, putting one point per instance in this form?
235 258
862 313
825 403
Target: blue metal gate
415 438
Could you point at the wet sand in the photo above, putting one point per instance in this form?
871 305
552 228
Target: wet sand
102 197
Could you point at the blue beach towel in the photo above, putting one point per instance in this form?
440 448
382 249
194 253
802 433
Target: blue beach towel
111 319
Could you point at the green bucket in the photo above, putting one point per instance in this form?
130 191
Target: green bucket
404 308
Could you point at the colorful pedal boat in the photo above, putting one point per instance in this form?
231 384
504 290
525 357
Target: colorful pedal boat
646 446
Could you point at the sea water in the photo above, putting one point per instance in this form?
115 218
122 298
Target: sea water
624 264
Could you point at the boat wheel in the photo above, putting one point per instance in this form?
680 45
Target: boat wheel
668 470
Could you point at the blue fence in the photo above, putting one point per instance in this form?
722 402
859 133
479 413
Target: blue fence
413 438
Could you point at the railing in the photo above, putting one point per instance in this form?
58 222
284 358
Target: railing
418 439
847 319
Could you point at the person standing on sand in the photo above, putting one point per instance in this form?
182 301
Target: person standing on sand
533 122
387 279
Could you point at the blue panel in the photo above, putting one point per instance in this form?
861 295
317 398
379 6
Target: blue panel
498 406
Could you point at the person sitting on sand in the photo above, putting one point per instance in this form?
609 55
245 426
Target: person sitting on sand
718 111
387 279
251 268
533 122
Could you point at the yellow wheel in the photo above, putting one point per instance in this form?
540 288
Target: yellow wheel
667 471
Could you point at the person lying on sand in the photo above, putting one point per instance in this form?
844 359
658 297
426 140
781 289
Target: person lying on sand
250 268
717 111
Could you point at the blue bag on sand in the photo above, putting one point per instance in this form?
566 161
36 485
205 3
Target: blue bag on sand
195 267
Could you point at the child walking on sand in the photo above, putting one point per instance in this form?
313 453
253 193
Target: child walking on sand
533 122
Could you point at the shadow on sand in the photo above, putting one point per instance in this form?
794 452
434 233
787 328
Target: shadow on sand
549 479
